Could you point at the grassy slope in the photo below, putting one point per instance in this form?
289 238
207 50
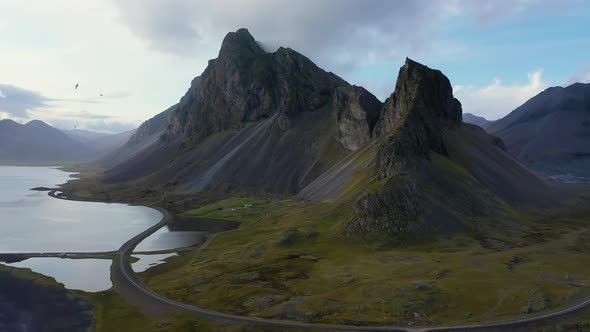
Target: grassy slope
288 261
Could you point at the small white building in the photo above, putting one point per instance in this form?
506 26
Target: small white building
248 205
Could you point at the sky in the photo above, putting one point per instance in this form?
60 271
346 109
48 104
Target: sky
134 58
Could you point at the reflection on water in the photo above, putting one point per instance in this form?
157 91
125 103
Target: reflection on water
164 239
183 232
147 261
90 275
31 221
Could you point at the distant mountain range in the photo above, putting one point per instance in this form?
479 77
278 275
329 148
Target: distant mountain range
476 120
551 132
147 134
36 143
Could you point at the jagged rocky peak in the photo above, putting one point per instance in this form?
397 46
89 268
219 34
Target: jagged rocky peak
357 112
241 45
421 90
246 84
412 120
413 117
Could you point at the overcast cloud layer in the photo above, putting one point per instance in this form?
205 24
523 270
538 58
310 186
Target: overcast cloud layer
135 58
338 34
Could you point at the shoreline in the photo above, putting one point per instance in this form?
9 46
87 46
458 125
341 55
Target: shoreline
122 267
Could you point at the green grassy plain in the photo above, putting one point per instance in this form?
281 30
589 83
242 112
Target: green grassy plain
288 260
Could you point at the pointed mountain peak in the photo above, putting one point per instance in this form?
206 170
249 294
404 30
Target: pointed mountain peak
240 44
411 63
429 87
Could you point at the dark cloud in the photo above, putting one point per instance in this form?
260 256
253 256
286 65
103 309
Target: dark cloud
18 102
334 32
166 25
338 34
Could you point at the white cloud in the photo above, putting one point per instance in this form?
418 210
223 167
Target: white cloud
497 99
581 76
2 94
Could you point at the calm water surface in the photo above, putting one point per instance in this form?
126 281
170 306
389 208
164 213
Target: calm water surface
165 239
147 261
90 275
31 221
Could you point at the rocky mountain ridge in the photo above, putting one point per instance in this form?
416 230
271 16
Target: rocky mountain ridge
246 84
551 132
311 119
274 123
412 121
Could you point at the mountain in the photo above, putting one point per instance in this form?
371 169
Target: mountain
100 143
256 121
82 135
137 140
427 172
476 120
37 142
275 123
551 132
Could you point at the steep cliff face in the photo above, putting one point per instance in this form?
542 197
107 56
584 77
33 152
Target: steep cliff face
434 174
412 123
356 111
420 107
257 121
414 117
246 84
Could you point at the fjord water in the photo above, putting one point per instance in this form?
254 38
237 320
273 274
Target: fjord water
90 275
31 221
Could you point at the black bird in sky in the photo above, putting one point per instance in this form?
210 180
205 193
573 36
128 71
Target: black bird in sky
76 86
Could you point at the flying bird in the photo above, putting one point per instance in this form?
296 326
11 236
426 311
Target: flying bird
76 86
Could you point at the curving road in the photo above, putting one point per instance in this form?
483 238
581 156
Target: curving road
122 265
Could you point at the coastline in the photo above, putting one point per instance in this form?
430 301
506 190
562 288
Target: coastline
134 291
